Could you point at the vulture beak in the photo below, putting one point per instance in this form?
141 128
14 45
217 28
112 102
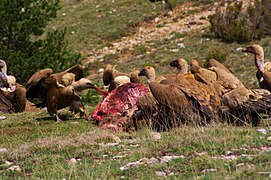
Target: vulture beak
174 63
91 85
246 49
143 72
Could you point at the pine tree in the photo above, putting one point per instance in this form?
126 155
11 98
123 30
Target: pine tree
24 45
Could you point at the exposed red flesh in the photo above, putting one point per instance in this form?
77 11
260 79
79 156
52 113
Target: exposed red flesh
119 101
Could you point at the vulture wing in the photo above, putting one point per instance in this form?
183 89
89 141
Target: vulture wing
215 63
35 85
5 104
78 70
203 93
228 80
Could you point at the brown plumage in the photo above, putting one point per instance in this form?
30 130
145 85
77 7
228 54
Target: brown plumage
190 101
226 79
178 98
215 63
59 97
203 73
245 106
36 87
263 75
181 65
13 95
57 91
110 73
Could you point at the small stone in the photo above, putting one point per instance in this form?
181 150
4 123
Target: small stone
269 138
262 130
155 136
209 170
228 153
240 165
174 50
160 173
3 117
15 168
3 151
7 163
117 139
181 45
157 19
72 161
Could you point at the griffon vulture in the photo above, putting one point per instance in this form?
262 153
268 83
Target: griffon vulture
263 74
114 78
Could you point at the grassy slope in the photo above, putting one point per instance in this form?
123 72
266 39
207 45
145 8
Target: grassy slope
42 149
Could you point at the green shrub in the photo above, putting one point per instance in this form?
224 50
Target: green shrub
216 53
235 23
24 45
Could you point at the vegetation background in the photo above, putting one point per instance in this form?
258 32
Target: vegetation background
130 34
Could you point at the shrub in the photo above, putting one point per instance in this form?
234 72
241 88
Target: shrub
234 23
24 45
216 53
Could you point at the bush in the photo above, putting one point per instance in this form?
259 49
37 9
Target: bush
216 53
234 23
24 45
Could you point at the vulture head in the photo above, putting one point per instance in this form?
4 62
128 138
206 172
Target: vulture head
257 50
180 64
149 72
107 76
83 84
194 66
254 49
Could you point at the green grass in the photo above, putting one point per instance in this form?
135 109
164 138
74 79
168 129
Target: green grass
43 149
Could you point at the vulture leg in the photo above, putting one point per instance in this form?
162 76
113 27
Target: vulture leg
58 120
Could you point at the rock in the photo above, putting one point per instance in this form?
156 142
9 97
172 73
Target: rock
117 139
7 163
262 130
155 136
3 117
15 168
209 170
269 138
3 151
160 173
72 161
181 45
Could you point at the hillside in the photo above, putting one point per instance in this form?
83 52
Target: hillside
132 34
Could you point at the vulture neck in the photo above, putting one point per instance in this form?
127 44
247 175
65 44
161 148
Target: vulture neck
182 70
259 62
151 78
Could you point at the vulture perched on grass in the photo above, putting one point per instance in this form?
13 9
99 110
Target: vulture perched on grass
13 95
57 91
114 78
263 74
182 99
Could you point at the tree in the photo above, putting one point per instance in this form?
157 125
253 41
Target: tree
24 45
